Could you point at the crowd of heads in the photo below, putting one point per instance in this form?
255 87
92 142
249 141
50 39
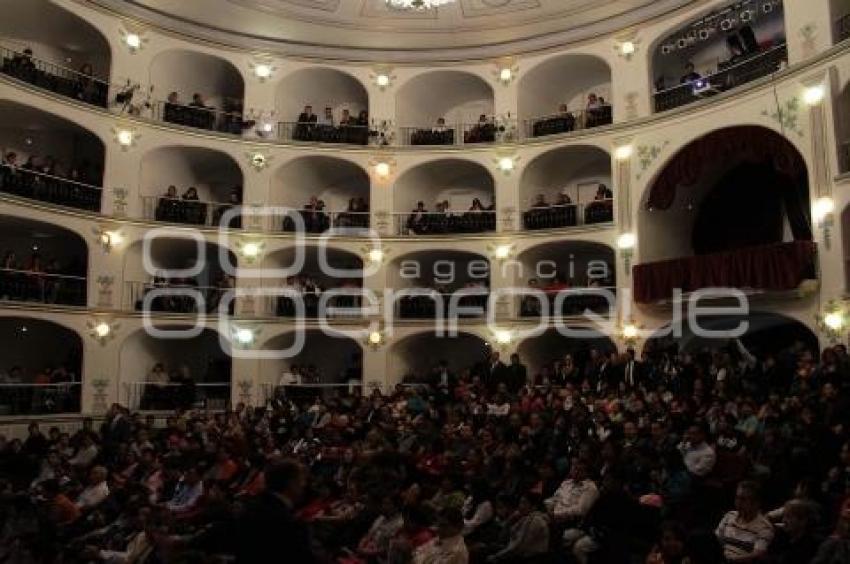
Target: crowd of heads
444 219
721 454
79 84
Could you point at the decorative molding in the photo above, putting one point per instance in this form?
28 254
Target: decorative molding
104 290
787 116
382 220
631 105
507 128
809 33
385 132
246 391
506 215
647 155
258 159
93 325
99 404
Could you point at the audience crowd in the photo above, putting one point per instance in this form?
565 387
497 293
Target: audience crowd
310 289
199 115
189 209
317 220
327 129
721 455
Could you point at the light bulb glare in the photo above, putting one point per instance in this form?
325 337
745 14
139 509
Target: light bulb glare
382 80
834 320
814 95
263 71
503 251
102 330
125 137
375 338
626 241
251 250
823 207
623 153
134 41
506 164
505 75
382 170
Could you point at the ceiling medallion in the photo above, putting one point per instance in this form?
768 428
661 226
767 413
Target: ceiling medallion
417 4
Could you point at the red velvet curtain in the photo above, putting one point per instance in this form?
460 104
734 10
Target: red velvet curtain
726 146
777 267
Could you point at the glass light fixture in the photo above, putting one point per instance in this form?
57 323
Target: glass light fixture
823 207
503 337
626 241
814 95
102 330
375 338
382 80
382 169
133 40
376 255
251 250
623 153
263 71
125 137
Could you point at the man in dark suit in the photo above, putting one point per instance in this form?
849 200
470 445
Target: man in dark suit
307 121
517 375
495 372
115 431
632 375
269 526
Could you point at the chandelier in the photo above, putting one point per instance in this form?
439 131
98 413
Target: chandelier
417 4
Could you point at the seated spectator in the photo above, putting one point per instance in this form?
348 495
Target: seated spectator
96 492
188 492
529 534
690 74
744 533
449 546
698 455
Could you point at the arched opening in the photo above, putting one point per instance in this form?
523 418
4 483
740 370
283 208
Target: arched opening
42 263
328 284
323 105
566 187
565 93
839 11
48 158
44 364
462 193
754 183
326 192
765 335
562 357
461 113
720 51
448 284
459 356
198 90
54 49
190 185
307 370
182 275
174 369
573 276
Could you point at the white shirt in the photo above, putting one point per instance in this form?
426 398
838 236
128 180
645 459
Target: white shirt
573 499
93 495
699 459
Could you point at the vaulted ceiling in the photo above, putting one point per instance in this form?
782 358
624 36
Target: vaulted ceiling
370 29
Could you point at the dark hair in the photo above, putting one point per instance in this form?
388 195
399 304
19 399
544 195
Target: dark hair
451 516
281 473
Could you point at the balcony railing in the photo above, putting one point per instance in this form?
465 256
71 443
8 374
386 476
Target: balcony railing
569 215
42 287
465 303
308 392
189 212
197 117
727 78
319 221
444 223
56 78
174 297
166 396
565 122
43 187
455 134
345 304
564 302
39 399
319 133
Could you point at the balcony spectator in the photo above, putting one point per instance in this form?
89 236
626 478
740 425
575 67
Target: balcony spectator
690 74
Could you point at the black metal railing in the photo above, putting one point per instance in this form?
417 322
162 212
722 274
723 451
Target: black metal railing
43 187
39 399
569 215
201 117
572 301
311 132
315 221
42 287
444 223
729 76
190 212
571 120
427 305
55 78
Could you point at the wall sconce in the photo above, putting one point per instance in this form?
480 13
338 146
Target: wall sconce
626 48
814 95
102 330
375 340
629 333
382 167
623 152
263 70
626 243
108 239
125 137
251 250
506 71
382 78
822 213
375 256
244 336
506 163
833 321
135 41
501 252
503 336
259 160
